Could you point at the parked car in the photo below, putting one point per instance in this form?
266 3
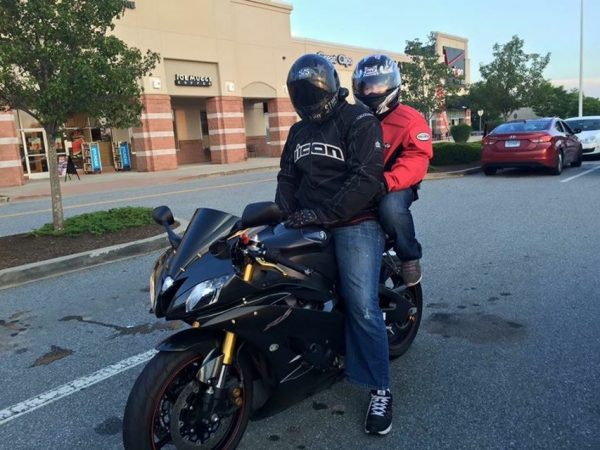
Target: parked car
587 129
547 142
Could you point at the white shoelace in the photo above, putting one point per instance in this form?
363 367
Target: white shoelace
379 405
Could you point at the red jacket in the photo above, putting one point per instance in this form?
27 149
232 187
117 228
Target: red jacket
407 147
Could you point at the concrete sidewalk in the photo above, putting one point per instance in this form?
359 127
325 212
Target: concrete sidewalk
114 181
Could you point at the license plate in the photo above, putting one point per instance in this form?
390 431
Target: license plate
512 144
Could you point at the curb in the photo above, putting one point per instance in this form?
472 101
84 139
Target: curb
230 172
452 174
15 276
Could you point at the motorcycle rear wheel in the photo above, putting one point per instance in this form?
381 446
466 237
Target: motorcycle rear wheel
146 422
401 334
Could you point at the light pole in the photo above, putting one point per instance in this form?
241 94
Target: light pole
480 113
581 61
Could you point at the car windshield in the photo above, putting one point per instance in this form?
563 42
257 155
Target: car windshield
525 126
584 124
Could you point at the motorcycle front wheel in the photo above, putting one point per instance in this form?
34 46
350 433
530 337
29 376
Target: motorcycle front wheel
166 408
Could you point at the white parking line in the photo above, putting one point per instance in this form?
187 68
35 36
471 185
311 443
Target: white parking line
580 174
27 406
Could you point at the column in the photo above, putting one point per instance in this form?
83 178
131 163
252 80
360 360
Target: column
440 122
11 169
226 129
154 140
468 120
281 118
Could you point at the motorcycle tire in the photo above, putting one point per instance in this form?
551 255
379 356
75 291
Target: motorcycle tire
146 422
402 334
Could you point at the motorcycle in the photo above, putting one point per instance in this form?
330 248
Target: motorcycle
266 326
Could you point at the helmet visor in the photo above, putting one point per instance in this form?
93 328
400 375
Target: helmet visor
369 83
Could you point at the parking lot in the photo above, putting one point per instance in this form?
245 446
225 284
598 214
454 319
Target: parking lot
508 355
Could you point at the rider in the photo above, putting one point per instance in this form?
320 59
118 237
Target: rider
332 175
407 151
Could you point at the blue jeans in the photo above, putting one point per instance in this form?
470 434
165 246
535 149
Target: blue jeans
359 251
396 220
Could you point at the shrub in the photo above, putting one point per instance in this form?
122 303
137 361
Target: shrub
100 222
460 133
448 153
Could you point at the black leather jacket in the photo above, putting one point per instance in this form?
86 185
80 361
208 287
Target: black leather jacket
334 168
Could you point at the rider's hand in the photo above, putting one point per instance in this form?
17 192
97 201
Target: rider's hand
302 218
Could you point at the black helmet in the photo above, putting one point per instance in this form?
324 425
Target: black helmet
313 85
376 83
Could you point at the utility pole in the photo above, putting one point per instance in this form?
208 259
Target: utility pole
581 61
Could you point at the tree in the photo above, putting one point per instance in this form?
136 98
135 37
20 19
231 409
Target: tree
554 101
478 98
426 81
57 60
508 82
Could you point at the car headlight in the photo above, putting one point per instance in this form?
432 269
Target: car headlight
206 292
587 140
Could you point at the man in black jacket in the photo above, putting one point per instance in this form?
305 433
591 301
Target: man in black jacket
332 175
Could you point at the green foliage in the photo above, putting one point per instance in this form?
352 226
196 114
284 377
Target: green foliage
448 153
555 101
461 132
100 222
426 80
56 60
478 98
510 80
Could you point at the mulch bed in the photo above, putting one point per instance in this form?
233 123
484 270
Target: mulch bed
21 249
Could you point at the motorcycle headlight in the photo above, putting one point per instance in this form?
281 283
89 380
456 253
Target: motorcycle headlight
205 293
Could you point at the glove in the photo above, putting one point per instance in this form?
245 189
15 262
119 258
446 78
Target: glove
302 218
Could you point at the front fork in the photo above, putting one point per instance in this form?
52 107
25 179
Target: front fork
217 366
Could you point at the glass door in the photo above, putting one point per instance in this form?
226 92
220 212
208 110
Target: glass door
35 146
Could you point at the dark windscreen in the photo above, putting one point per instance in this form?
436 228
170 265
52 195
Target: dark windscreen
527 126
584 124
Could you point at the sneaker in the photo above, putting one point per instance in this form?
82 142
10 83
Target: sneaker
411 272
379 414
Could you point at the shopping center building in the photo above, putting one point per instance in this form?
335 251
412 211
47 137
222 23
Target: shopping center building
218 94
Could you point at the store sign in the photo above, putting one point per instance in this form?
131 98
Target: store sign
340 59
455 59
192 80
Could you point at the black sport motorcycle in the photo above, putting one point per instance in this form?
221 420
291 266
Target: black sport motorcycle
266 327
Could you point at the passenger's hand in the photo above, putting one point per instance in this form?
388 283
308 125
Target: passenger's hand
302 218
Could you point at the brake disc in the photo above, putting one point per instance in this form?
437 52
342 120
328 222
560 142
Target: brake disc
189 427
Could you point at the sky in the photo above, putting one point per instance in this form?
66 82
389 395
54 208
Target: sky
546 26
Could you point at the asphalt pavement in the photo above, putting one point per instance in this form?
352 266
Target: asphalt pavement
508 354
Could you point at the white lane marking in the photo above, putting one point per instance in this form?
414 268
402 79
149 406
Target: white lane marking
580 174
139 197
27 406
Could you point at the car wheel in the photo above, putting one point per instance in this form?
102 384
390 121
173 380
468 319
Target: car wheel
558 167
490 170
577 162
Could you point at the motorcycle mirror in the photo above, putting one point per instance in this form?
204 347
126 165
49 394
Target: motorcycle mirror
261 213
577 130
162 215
